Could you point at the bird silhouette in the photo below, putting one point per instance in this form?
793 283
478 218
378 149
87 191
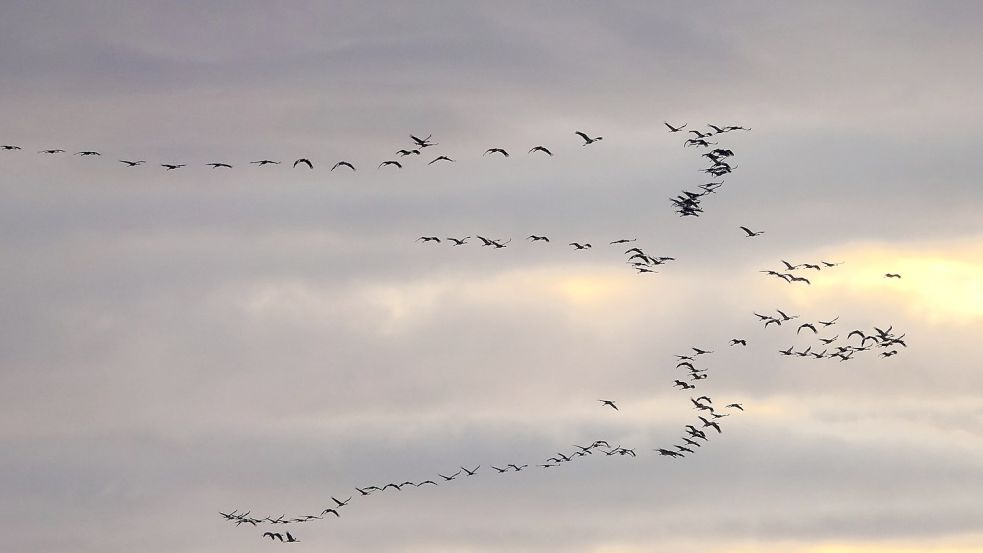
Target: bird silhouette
674 129
343 164
752 233
496 151
588 140
541 149
608 403
304 161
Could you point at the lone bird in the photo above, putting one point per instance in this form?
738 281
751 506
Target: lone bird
588 140
304 161
737 341
496 151
216 165
441 158
674 129
752 233
608 403
391 162
129 163
343 164
263 162
892 275
541 149
580 246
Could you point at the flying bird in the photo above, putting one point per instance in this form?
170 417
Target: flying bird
129 163
441 158
496 151
588 140
608 403
543 149
752 233
674 129
391 162
305 161
53 151
216 165
86 153
343 164
892 275
810 326
535 238
263 162
172 166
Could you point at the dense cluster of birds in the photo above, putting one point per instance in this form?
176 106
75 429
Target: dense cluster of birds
415 148
687 203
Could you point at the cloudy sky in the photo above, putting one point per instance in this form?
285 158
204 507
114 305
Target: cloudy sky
173 344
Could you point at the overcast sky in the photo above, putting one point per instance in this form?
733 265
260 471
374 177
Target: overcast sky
176 343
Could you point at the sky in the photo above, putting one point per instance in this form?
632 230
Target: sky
178 343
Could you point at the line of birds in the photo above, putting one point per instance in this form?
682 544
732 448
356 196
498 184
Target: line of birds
789 277
693 435
689 442
637 258
416 149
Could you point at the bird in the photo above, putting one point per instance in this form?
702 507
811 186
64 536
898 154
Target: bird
291 539
543 149
305 161
608 403
340 503
737 341
674 129
428 239
273 536
668 453
216 165
263 162
423 142
459 241
829 323
535 238
329 510
623 241
449 478
752 233
129 163
441 158
10 147
87 153
580 246
472 471
799 279
518 468
810 326
52 151
500 470
404 153
701 351
588 140
892 275
391 162
713 424
786 317
735 406
343 164
172 166
496 151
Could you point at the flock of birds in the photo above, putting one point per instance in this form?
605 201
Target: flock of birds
708 420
